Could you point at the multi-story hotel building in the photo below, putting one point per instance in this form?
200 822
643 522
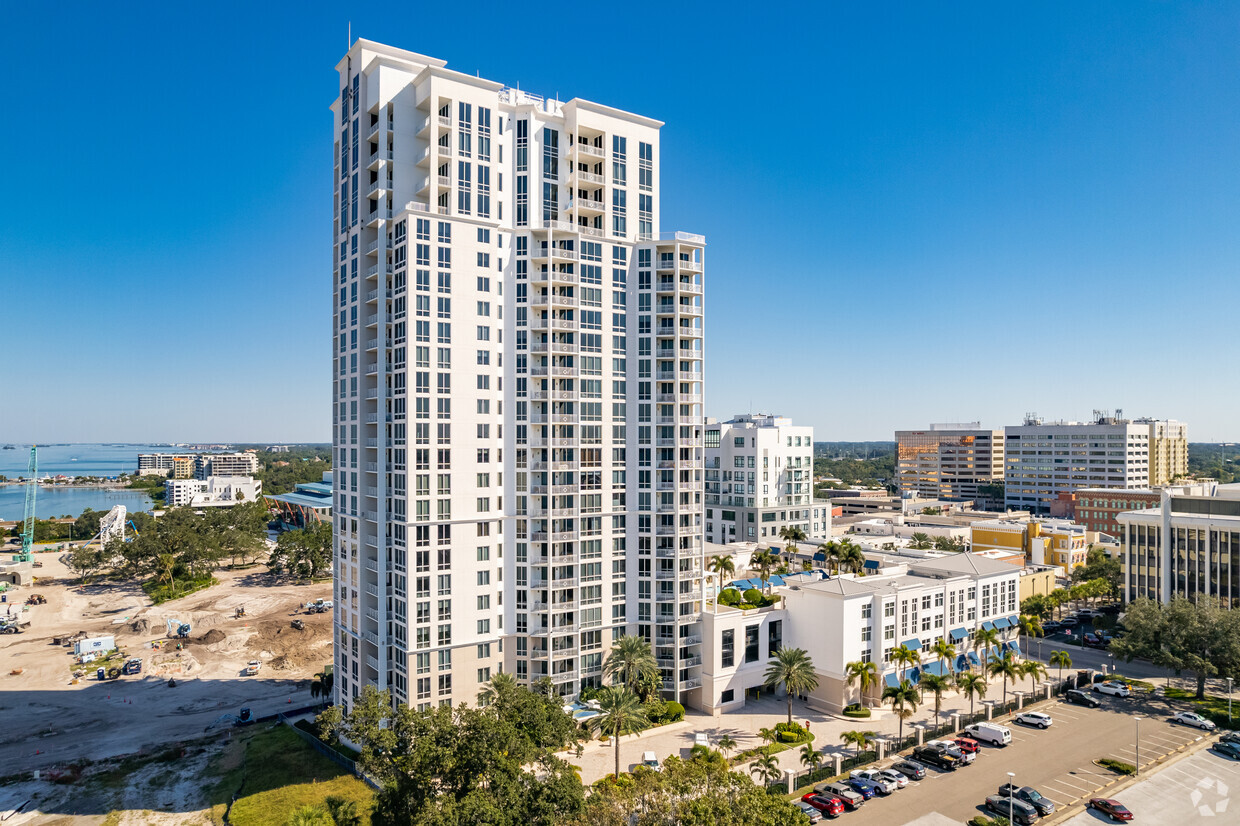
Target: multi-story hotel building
759 479
1188 546
948 461
518 388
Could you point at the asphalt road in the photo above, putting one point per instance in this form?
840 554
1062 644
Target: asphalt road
1057 761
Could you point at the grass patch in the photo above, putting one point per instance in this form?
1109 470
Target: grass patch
1117 766
179 588
769 748
1132 683
274 772
310 728
1212 708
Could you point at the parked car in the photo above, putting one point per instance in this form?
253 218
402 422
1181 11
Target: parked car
1089 613
1226 749
1030 795
1111 808
882 785
852 800
700 739
895 777
809 811
650 761
1190 718
861 786
1080 698
965 758
1230 737
1113 688
967 745
1034 718
1050 626
992 733
933 757
1093 641
1068 622
910 769
1021 812
824 804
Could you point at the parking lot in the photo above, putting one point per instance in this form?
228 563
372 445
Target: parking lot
1057 761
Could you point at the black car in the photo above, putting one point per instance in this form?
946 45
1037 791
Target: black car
1230 737
935 757
1080 698
911 770
1022 813
1030 795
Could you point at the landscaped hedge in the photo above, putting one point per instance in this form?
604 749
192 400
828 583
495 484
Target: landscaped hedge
674 712
856 711
729 596
1117 766
754 596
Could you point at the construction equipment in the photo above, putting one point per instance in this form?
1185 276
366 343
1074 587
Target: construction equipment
32 487
111 526
36 599
178 629
299 625
239 612
252 668
133 665
319 606
243 719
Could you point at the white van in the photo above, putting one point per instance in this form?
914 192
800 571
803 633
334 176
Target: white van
992 733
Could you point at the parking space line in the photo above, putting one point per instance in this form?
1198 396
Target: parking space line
1062 782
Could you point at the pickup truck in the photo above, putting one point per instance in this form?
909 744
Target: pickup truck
939 758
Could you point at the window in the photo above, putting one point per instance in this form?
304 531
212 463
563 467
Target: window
727 649
775 636
727 696
751 644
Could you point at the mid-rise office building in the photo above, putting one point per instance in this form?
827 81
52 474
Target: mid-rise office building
760 479
517 398
1188 546
1168 450
948 461
1045 459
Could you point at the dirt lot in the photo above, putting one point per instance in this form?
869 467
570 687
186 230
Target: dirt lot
51 720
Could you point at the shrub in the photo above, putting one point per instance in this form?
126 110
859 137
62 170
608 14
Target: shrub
656 710
788 737
674 712
729 596
753 596
587 694
1117 766
792 728
857 713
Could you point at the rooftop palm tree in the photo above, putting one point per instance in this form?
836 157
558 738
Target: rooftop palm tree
831 554
971 685
620 713
903 656
864 673
763 561
903 699
920 541
766 768
936 685
499 688
723 565
630 661
1060 660
860 739
794 670
791 534
850 556
1007 667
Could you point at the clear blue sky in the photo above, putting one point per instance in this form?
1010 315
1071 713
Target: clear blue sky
915 212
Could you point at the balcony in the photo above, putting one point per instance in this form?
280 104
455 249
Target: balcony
376 188
540 253
689 287
583 206
586 150
687 237
579 177
666 265
445 121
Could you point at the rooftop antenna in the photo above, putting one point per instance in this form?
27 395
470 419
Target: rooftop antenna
349 45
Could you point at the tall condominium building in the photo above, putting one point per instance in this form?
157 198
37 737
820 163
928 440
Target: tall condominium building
1045 459
760 478
518 388
1168 450
198 465
948 461
1188 546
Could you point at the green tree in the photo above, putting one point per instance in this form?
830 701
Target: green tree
831 555
971 685
985 639
1201 637
903 699
343 812
1038 605
858 739
763 561
864 674
903 656
937 685
726 744
850 557
791 534
767 768
944 651
1007 667
630 661
620 713
303 554
723 565
793 669
498 689
1060 660
920 541
1034 670
811 758
310 816
1100 566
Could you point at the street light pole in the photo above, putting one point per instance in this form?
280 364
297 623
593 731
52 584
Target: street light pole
1229 699
1137 771
1011 794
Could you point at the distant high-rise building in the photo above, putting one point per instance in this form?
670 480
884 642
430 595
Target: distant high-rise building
1168 450
759 479
517 404
1045 459
948 461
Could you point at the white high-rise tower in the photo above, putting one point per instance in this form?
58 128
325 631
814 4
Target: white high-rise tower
517 406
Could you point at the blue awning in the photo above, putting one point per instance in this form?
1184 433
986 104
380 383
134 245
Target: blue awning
1001 623
913 644
1014 621
776 549
777 580
913 675
872 564
994 651
973 658
958 634
988 626
1013 647
893 680
937 668
962 662
820 557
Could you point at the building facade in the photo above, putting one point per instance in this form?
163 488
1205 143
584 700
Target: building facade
948 461
1188 546
1168 450
197 465
759 479
1043 460
518 388
1098 509
212 492
1058 542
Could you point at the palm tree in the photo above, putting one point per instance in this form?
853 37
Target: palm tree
1031 627
1060 660
936 685
850 557
985 639
971 685
1033 670
1007 667
343 812
310 816
865 674
831 554
763 562
725 744
767 768
860 739
500 687
904 656
794 670
920 541
944 650
810 757
903 699
630 661
723 565
768 735
791 534
620 713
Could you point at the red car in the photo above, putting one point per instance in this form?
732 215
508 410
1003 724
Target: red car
1111 808
829 806
967 745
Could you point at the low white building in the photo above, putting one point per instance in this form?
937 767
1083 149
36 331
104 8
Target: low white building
212 492
846 619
